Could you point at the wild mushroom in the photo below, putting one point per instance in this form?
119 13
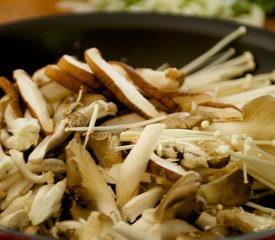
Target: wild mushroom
182 120
34 99
135 164
65 79
119 86
80 70
82 174
228 190
103 145
47 202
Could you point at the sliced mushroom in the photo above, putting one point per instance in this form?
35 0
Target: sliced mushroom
34 99
119 86
80 70
182 120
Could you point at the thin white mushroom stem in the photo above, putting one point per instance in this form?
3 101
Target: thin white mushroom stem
119 126
19 161
169 140
261 208
91 123
223 57
131 232
215 49
239 60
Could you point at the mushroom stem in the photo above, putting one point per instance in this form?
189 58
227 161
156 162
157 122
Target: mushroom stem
19 161
136 162
215 49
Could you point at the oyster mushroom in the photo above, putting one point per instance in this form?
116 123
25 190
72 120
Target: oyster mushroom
228 190
119 86
182 120
82 174
34 100
47 202
103 144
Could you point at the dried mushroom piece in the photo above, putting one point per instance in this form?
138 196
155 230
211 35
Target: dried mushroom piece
120 87
34 99
87 183
79 70
65 79
149 89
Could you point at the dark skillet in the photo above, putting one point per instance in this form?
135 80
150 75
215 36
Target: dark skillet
142 40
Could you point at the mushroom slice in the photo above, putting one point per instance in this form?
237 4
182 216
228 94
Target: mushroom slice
16 220
220 112
136 163
34 99
118 84
148 88
168 80
40 78
86 181
182 120
13 95
102 144
47 202
228 190
53 91
65 79
49 142
79 70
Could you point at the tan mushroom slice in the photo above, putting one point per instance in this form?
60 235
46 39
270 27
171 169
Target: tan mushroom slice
119 86
182 120
53 91
34 100
228 190
136 163
148 88
168 80
219 112
86 181
16 220
13 96
40 78
47 202
79 70
103 144
49 142
65 79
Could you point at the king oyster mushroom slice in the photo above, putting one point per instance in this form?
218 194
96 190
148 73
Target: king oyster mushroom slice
87 183
34 100
136 163
120 87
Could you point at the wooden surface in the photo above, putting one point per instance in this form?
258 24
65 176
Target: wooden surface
11 10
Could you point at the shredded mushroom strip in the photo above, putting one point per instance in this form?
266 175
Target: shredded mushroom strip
97 149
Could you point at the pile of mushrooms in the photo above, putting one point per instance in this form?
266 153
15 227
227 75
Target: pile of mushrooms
97 149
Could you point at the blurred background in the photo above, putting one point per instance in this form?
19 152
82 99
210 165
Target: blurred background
255 12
